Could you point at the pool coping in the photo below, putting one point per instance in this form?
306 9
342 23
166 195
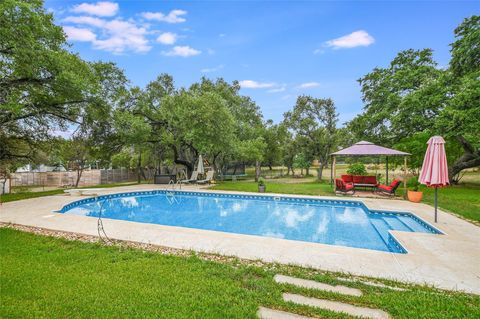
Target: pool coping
449 262
274 197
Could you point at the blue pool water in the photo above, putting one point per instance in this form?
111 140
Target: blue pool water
334 222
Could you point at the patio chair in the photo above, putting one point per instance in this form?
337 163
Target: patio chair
390 189
208 179
343 187
193 178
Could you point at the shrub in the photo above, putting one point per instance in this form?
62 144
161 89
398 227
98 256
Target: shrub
261 182
357 169
414 184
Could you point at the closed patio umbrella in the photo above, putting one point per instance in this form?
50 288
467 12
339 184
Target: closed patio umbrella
434 171
200 168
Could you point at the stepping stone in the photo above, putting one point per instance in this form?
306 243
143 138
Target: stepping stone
371 283
265 313
337 306
310 284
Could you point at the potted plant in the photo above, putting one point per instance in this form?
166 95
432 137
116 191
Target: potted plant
261 185
413 194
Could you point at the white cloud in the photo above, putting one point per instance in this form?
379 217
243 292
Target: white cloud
221 35
80 34
250 84
175 16
102 8
277 90
119 35
183 51
168 38
308 85
352 40
210 70
94 22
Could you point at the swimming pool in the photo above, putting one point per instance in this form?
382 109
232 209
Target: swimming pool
333 222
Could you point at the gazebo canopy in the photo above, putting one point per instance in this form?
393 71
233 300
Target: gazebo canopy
364 148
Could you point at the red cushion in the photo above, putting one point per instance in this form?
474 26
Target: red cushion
339 183
370 180
395 182
347 178
357 179
385 187
349 186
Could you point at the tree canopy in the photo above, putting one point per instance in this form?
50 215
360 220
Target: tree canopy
413 95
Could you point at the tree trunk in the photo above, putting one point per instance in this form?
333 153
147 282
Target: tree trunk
469 159
320 171
79 176
139 165
270 166
307 171
257 170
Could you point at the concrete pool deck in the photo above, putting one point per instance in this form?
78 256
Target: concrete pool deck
449 261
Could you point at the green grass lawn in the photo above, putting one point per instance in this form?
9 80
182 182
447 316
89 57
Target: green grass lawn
26 195
462 200
279 186
46 277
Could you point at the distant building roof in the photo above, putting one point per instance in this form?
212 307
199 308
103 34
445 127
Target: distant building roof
364 148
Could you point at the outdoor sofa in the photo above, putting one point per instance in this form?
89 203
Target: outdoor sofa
361 181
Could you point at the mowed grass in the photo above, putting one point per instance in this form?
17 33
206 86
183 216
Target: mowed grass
26 195
45 277
278 186
462 200
19 196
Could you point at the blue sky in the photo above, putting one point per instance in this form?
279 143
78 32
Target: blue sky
278 50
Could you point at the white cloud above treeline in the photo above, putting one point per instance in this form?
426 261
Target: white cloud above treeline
98 24
250 84
308 85
119 35
101 9
355 39
174 16
182 51
167 38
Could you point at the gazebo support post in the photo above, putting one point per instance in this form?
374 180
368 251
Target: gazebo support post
404 177
386 170
333 170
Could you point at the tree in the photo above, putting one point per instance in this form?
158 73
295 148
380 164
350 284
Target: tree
43 86
74 154
413 96
313 122
273 138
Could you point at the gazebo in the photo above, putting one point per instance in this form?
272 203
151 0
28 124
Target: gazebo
364 148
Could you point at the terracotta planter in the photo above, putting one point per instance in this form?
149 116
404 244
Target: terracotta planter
415 197
262 188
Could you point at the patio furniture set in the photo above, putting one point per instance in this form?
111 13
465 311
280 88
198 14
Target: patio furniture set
350 183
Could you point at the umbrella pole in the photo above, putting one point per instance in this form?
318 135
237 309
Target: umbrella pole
436 203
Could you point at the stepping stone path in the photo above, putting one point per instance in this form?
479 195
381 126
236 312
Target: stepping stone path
336 306
371 283
266 313
281 279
